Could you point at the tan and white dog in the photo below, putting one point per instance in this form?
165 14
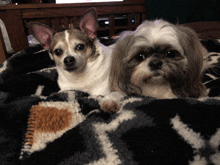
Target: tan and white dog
82 62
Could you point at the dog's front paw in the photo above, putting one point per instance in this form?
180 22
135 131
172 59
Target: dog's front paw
110 106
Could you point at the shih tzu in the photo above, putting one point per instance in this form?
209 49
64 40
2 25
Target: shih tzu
161 60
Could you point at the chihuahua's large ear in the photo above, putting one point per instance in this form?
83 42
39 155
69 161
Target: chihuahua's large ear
89 23
42 33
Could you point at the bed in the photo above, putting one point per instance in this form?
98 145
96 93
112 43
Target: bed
40 125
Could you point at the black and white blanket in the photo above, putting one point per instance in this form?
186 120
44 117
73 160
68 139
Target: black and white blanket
41 126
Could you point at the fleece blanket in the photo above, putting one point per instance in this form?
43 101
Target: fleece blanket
40 125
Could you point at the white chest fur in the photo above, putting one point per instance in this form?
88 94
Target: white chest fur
94 79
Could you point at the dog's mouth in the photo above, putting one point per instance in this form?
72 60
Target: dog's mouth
70 69
155 76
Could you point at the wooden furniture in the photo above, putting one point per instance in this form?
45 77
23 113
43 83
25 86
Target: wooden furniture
16 17
3 52
206 30
34 1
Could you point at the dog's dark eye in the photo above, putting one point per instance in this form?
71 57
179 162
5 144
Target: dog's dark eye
171 54
140 57
58 52
80 47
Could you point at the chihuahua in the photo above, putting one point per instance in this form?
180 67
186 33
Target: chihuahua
82 62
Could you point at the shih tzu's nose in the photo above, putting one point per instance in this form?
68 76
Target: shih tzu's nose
69 61
155 64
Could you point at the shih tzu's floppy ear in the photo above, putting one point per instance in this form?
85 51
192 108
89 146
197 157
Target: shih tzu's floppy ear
192 85
42 33
120 74
89 23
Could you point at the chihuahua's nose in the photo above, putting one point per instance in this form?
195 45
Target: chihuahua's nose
155 64
69 61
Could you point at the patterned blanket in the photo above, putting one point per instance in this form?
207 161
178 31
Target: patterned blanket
40 125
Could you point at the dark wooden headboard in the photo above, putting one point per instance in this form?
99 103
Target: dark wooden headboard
205 30
16 17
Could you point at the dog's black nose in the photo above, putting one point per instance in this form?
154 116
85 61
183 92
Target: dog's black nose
155 64
69 61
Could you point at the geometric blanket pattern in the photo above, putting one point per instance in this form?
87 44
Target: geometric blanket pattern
40 125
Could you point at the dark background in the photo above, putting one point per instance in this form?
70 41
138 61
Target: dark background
176 11
183 11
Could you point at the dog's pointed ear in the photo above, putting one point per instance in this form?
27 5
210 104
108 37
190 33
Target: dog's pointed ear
89 23
42 33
